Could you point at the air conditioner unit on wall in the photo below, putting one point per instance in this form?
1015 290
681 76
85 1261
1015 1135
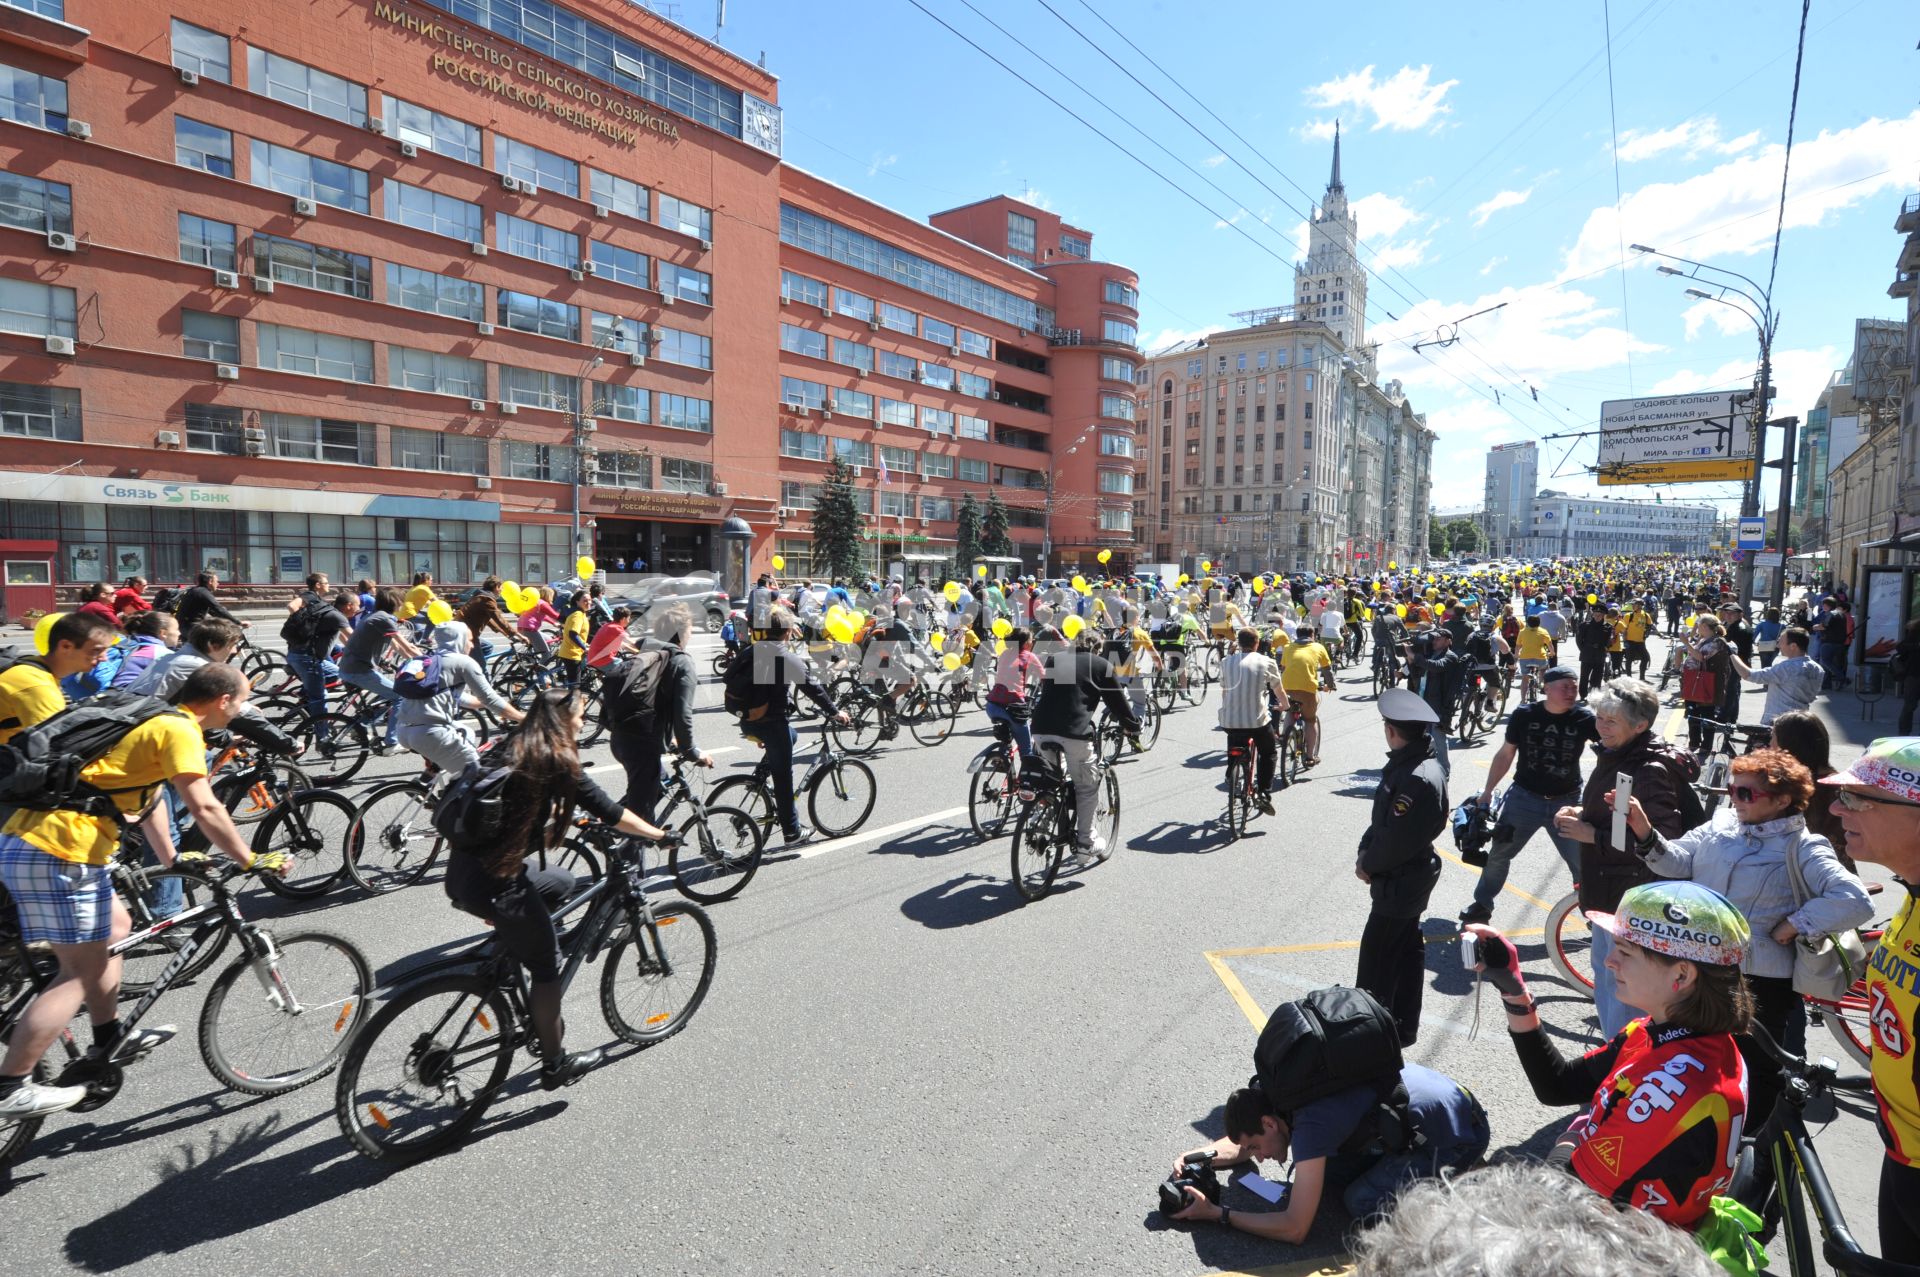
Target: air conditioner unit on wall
666 299
484 329
601 210
59 345
509 183
409 150
261 284
167 439
483 483
79 130
303 207
226 372
476 405
226 279
509 409
376 125
189 77
61 242
254 448
478 248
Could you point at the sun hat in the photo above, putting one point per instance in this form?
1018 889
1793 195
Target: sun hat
1681 920
1891 763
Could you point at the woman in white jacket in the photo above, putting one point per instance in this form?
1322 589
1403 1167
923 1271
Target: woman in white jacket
1742 854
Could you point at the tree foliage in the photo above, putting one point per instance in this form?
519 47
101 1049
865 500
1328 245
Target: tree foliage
993 528
837 523
966 537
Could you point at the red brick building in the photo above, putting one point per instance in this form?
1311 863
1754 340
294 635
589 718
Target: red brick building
447 284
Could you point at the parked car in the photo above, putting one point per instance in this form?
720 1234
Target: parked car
700 592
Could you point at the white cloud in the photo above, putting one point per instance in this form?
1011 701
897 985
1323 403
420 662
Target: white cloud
1214 161
1504 199
1729 209
880 161
1039 199
1541 333
1300 235
1726 321
1798 378
1382 216
1316 131
1399 253
1175 337
1492 264
1407 99
1239 215
1693 137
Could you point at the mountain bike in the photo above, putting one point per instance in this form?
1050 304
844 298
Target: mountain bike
1110 738
1386 670
1785 1141
990 794
430 1062
1292 735
273 1021
1477 713
1046 830
1243 786
840 791
719 848
927 712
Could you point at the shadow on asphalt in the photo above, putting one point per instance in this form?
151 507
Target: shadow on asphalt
935 840
1175 838
970 898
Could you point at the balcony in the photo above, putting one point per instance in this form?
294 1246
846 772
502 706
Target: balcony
1908 220
1063 336
1909 253
1902 285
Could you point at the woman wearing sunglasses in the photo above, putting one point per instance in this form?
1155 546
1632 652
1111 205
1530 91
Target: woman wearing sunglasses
1742 854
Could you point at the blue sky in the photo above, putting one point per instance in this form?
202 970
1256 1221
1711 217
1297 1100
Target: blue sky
1477 149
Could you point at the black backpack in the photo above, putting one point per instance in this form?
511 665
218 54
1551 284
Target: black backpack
40 766
471 813
167 599
630 697
1330 1041
742 693
303 625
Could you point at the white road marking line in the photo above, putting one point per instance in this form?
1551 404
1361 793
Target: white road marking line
612 767
870 835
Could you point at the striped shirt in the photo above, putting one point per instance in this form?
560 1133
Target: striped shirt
1244 680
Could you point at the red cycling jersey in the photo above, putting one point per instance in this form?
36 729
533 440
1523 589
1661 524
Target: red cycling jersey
1664 1126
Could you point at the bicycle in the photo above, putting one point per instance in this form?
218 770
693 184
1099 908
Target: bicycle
1292 734
928 713
430 1062
719 848
1477 714
840 791
315 986
1386 670
1717 768
1046 828
1847 1019
1785 1140
1110 738
990 794
1243 789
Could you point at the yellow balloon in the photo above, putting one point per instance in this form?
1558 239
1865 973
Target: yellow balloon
952 591
1072 626
1184 578
1400 610
1393 567
1593 598
938 640
1206 565
999 646
980 570
951 661
1259 585
1104 556
583 566
40 631
439 612
1079 582
840 629
1002 627
779 563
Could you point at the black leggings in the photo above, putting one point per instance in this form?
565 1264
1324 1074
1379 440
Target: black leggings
1262 740
1899 1212
520 909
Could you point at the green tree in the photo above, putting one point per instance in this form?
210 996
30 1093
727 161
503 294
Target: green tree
1463 536
837 523
993 528
1436 538
966 537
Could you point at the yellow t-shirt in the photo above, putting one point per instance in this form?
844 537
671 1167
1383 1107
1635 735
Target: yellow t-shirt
1139 641
1534 643
29 694
573 636
162 747
420 596
1637 623
1619 628
1893 994
1300 666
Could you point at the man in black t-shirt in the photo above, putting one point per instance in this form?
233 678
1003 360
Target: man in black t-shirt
326 623
1547 738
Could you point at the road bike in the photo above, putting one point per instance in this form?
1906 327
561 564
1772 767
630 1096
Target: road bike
1046 831
274 1020
1783 1139
995 785
839 790
1569 942
429 1063
1478 712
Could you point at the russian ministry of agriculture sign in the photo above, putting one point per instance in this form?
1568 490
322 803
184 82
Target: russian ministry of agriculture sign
1676 439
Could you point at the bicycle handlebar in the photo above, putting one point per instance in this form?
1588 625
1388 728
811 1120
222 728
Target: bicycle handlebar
1821 1075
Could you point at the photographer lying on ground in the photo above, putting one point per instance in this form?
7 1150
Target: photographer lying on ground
1331 1090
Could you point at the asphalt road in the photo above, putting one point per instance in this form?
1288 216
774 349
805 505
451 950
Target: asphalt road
900 1067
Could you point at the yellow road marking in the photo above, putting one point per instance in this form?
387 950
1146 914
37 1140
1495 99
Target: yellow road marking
1533 900
1676 725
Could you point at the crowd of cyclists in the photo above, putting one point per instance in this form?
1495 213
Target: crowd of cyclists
1703 895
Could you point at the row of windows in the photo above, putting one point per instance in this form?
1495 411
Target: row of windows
852 354
813 292
815 396
804 446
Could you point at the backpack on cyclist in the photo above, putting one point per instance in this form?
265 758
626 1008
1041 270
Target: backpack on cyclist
631 694
40 766
745 696
471 812
1685 770
419 679
1330 1041
303 626
167 599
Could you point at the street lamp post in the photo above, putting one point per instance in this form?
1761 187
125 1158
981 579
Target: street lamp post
1766 323
585 406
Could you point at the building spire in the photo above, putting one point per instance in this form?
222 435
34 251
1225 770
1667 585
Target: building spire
1333 183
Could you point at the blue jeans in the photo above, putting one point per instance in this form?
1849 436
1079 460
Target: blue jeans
313 674
378 686
170 895
778 738
1614 1014
1373 1189
1022 732
1833 657
1526 813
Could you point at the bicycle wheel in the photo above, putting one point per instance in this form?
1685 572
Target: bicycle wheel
934 723
392 842
1149 725
578 859
1040 839
312 827
15 1136
750 794
1193 689
1292 753
657 974
861 733
1106 814
249 798
1849 1022
148 902
841 797
718 854
425 1068
261 667
292 1016
1570 944
990 797
1713 783
593 726
1239 796
335 748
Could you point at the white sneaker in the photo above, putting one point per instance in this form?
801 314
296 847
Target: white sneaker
35 1099
800 839
139 1042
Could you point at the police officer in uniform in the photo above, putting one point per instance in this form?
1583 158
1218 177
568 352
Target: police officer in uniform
1397 860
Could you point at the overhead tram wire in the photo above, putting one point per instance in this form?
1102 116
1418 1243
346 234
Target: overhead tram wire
1619 229
1786 161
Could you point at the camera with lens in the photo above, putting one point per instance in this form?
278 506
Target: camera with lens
1196 1171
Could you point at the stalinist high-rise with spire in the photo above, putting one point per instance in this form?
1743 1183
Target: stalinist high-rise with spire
1330 286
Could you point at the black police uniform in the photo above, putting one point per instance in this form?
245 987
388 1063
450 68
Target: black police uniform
1396 854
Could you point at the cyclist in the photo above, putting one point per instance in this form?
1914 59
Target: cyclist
198 603
575 630
1248 681
1443 673
544 784
887 661
1303 663
482 613
1534 647
1016 674
429 724
1666 1096
151 635
56 866
1137 657
765 720
1074 681
1878 803
641 723
1488 652
1636 627
1389 637
379 631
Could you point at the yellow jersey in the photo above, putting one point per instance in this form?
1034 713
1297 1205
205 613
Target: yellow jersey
1893 1013
1533 643
419 596
573 636
29 694
1300 666
1638 623
164 746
